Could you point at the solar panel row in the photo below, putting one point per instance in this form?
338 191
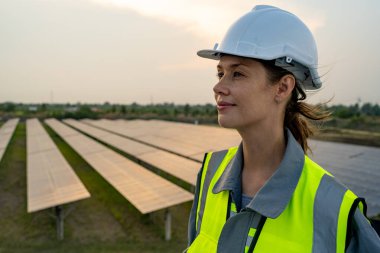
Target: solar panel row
175 165
187 140
356 166
50 179
144 189
6 132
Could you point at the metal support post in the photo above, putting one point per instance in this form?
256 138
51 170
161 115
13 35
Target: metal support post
168 225
59 216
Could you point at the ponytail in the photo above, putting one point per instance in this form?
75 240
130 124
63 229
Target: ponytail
300 116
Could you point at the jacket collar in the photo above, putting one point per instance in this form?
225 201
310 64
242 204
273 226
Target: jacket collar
272 199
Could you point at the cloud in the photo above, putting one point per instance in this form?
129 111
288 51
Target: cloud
194 64
209 18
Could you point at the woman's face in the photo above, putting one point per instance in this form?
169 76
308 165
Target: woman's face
244 95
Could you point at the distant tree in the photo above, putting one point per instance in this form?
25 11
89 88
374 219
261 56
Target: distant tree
113 109
134 108
9 107
211 110
163 111
43 107
376 110
343 112
85 112
355 109
186 110
370 109
195 111
123 109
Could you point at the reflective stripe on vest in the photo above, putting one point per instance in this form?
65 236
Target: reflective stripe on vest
315 219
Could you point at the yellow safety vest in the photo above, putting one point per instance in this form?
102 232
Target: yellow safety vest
291 232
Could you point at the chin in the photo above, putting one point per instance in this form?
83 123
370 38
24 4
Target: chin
226 122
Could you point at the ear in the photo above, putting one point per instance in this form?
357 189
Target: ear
284 88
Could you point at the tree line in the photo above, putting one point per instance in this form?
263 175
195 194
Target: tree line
168 111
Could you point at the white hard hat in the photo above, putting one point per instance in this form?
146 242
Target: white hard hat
269 33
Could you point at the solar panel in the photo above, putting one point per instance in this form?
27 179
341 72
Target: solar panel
128 146
354 165
131 147
38 142
6 132
175 165
187 140
50 179
145 190
180 147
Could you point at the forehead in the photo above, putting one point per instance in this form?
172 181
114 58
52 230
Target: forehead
230 61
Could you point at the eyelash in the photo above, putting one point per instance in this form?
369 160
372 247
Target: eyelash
236 72
219 75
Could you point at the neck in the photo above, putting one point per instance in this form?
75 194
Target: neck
263 148
263 151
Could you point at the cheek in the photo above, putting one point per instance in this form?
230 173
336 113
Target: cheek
256 104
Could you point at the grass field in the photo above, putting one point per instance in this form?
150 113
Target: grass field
350 136
106 222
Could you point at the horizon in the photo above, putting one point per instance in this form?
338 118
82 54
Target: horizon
360 103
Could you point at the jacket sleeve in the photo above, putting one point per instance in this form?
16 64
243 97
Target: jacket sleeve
192 231
365 238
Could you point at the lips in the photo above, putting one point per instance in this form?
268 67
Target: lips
224 105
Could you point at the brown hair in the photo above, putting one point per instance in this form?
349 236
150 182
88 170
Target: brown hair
299 116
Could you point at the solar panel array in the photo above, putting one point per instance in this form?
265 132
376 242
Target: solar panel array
6 132
50 179
145 190
356 166
188 140
175 165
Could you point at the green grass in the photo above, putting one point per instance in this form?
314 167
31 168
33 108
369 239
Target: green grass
359 137
106 222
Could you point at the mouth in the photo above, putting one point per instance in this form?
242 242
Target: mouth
224 105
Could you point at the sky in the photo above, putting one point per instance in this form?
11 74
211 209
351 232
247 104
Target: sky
121 51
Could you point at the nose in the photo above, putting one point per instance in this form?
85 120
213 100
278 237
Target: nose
220 88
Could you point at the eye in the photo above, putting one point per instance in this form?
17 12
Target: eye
219 75
238 74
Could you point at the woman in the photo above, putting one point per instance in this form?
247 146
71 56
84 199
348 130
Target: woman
267 195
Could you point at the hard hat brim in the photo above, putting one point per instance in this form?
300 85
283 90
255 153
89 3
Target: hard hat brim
209 54
215 54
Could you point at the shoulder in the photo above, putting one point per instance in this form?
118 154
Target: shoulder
330 193
216 157
314 168
222 151
320 177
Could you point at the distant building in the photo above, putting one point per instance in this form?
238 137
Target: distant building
71 109
33 108
95 109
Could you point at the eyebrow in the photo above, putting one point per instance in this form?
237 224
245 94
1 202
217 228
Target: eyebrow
235 65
